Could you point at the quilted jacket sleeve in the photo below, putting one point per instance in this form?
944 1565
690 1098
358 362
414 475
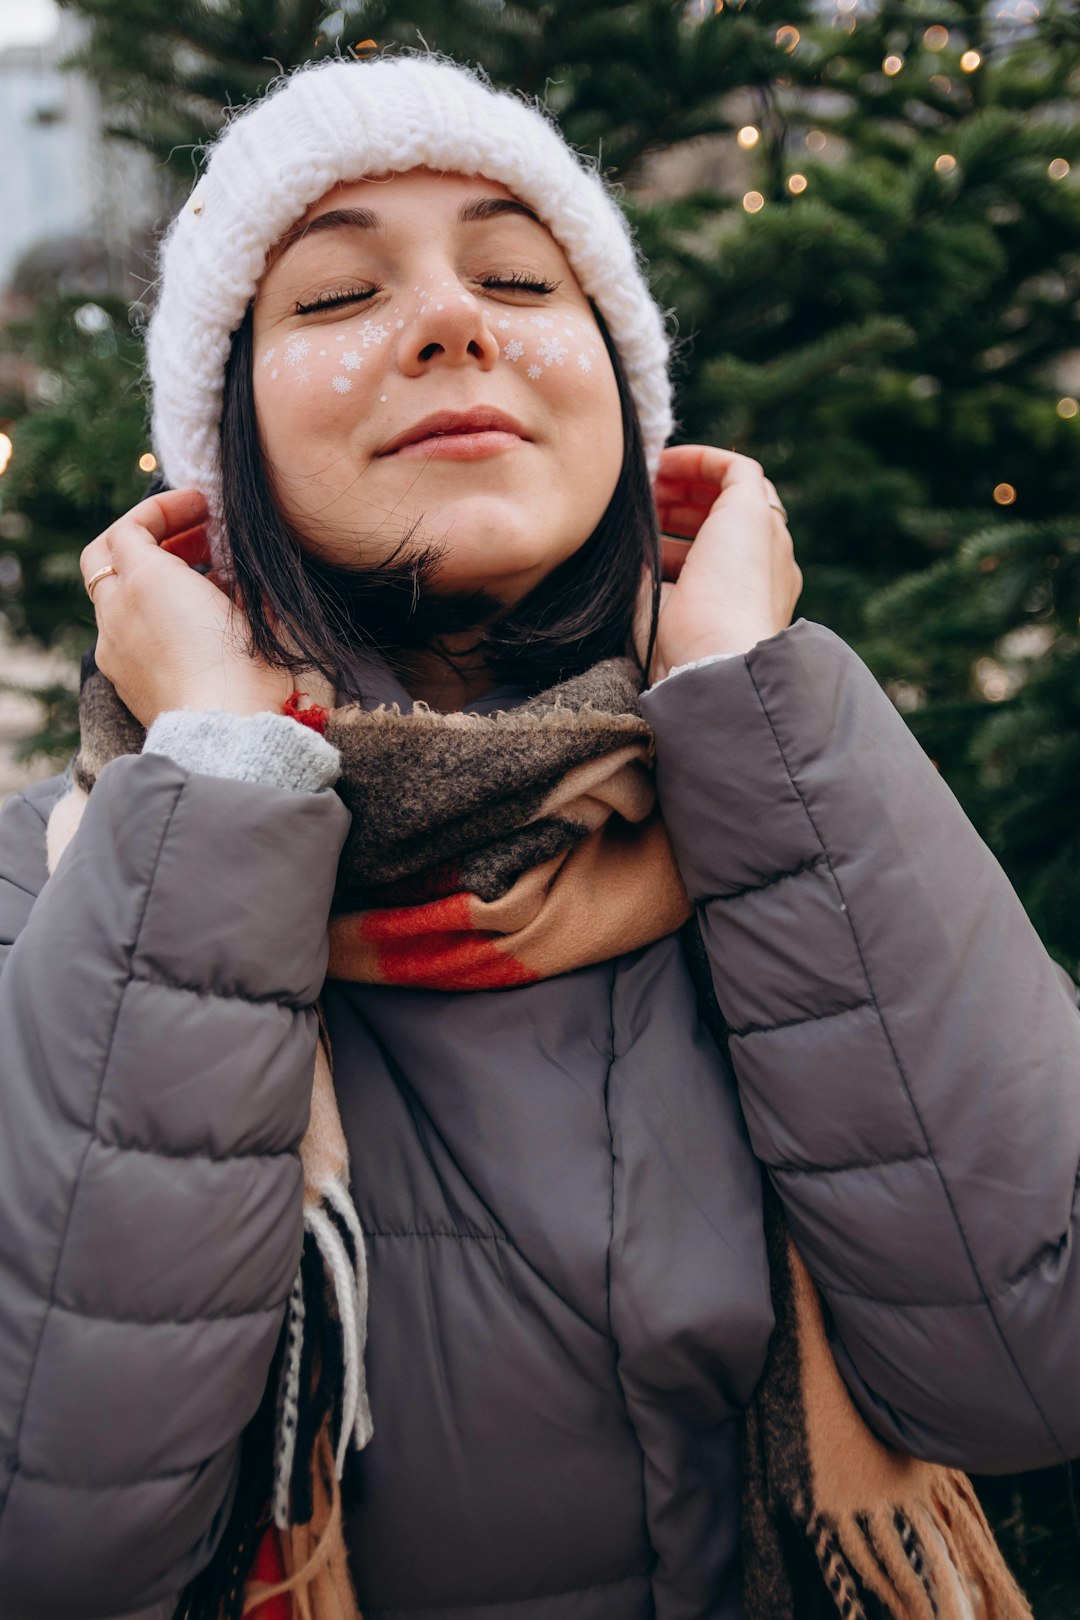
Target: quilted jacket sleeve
157 1037
908 1055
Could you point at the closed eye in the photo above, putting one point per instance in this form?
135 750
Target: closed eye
356 295
334 300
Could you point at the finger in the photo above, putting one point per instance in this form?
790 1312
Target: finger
103 588
160 517
774 495
707 463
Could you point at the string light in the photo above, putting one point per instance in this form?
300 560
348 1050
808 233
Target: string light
1058 168
992 680
1068 407
748 136
1004 494
6 449
892 65
816 141
148 462
753 202
945 164
970 61
788 37
797 183
936 38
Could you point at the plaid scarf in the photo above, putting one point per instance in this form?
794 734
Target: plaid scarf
497 850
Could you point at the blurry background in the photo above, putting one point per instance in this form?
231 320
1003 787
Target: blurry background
866 214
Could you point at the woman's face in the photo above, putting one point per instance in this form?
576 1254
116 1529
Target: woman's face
397 297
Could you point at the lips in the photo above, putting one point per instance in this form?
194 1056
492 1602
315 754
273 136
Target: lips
480 419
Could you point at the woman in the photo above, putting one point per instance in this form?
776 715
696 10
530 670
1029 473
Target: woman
554 1164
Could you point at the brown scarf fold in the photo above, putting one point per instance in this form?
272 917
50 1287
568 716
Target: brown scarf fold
497 850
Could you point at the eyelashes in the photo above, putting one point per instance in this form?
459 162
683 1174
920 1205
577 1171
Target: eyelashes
342 296
346 295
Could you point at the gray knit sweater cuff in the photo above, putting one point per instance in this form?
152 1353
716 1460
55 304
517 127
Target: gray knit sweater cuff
269 748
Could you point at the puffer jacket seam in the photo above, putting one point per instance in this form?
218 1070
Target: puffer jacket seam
461 1237
20 888
206 1158
56 1483
913 1105
842 1169
770 883
16 1469
1046 1252
169 1321
793 1023
271 997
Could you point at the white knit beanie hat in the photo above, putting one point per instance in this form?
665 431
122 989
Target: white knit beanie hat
340 120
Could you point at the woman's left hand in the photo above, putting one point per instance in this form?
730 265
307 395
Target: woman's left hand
739 581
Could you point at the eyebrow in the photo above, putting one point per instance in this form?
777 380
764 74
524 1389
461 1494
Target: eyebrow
366 219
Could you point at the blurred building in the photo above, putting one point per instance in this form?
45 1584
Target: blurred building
69 195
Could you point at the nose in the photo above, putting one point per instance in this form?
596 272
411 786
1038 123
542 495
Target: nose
449 327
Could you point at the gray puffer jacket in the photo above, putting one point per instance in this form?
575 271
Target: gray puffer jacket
569 1296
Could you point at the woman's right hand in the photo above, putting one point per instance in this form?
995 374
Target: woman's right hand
168 637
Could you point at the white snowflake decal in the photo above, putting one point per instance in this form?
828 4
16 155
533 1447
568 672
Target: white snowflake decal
304 374
399 325
534 372
351 360
268 356
373 332
514 350
274 374
552 352
298 348
341 384
584 362
504 326
542 320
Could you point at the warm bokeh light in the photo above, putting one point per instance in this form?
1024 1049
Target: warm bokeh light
1004 494
753 202
1068 407
797 183
1058 168
991 680
748 136
788 37
936 38
970 61
892 65
6 447
148 462
945 164
816 140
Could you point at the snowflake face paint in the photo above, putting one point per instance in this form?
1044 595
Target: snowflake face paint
360 335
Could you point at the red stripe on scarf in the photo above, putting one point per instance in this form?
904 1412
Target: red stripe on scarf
438 947
269 1566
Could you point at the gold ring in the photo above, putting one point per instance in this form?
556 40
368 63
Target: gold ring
777 507
96 579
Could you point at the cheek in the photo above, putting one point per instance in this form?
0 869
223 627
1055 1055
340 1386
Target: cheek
310 382
561 351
